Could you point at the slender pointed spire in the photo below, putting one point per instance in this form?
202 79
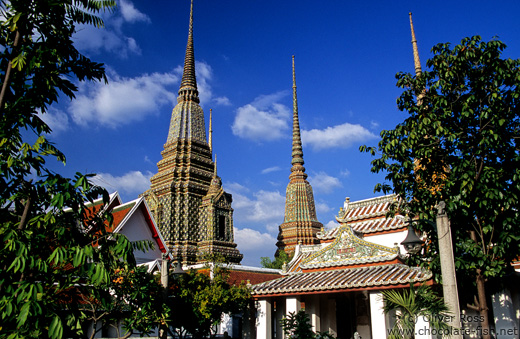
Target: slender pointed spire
417 61
215 170
188 89
297 152
210 132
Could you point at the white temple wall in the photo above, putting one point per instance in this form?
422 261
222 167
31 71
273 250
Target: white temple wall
506 322
377 316
263 319
388 239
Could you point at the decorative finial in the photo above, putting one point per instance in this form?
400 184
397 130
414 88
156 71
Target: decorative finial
297 152
188 89
215 169
210 130
417 61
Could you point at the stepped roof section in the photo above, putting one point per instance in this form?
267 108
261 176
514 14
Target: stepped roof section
345 259
300 222
367 217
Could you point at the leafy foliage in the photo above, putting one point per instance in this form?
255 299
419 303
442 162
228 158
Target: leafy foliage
197 301
408 305
279 260
297 326
460 143
57 258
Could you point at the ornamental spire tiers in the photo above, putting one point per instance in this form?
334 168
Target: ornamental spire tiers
186 197
188 90
297 152
300 222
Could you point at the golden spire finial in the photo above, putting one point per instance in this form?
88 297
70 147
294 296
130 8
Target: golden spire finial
215 169
210 142
297 152
188 89
417 61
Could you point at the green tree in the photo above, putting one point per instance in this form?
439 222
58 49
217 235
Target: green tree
56 256
461 143
410 304
198 301
279 260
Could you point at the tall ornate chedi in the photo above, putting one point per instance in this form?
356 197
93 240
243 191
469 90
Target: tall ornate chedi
300 223
186 197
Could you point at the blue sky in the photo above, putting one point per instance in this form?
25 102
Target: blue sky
347 54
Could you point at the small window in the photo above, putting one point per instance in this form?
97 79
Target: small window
222 227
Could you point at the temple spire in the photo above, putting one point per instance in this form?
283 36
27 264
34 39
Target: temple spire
188 89
297 152
417 61
300 224
210 132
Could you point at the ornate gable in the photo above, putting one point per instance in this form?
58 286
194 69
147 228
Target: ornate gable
349 249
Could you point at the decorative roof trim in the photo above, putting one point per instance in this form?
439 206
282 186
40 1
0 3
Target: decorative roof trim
345 236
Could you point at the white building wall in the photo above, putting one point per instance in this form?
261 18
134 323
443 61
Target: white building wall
506 324
377 316
388 239
135 229
263 319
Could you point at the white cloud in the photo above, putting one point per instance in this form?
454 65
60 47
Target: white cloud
222 101
323 182
123 100
331 224
56 119
345 173
260 207
131 14
322 207
250 239
262 120
235 188
340 136
271 169
111 38
254 245
134 182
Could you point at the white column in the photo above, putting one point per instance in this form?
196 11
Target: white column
422 328
292 305
377 316
331 317
314 312
226 325
504 315
263 319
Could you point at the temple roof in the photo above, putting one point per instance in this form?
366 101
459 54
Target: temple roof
349 249
366 277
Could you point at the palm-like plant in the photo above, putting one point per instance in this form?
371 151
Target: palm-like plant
411 304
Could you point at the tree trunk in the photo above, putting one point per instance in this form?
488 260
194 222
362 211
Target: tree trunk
7 77
481 296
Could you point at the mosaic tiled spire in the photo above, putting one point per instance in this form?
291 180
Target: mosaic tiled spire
185 175
300 223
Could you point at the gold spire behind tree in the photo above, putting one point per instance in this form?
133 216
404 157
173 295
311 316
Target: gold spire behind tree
416 59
